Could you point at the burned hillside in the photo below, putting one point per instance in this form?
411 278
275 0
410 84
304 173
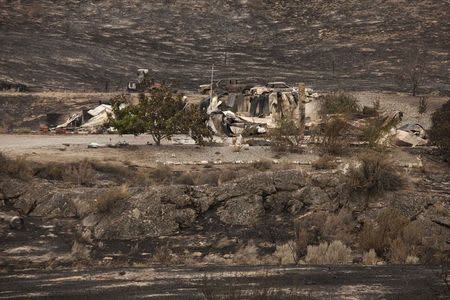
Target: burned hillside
341 44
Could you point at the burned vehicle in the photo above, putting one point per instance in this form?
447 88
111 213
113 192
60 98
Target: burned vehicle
232 85
277 86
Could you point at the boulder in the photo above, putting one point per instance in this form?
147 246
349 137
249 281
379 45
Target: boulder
243 210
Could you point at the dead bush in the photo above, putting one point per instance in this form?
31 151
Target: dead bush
228 175
184 178
440 130
391 236
374 175
370 258
339 103
80 173
163 255
412 260
286 253
335 137
106 201
339 227
287 136
162 174
51 171
324 254
263 165
325 162
303 238
18 167
117 171
398 251
247 255
209 178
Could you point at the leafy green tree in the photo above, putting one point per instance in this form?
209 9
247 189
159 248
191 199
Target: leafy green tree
195 124
161 114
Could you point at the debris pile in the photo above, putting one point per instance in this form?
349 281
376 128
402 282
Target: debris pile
91 121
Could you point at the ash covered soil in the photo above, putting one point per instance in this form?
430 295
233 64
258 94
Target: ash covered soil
354 44
308 282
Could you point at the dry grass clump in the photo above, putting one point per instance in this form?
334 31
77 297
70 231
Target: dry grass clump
370 258
80 173
106 201
247 255
325 162
332 254
285 253
162 174
18 167
374 175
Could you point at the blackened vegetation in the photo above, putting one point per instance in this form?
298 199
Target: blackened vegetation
440 131
346 44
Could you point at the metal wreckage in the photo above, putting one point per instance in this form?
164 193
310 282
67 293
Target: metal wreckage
232 114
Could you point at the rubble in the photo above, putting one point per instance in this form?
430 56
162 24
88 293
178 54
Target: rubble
233 114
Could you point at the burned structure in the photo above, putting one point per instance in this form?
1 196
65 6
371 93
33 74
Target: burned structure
237 113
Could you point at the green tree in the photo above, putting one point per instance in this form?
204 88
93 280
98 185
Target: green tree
195 123
161 114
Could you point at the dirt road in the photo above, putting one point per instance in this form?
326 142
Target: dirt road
306 282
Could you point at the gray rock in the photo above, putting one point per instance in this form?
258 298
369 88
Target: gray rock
244 210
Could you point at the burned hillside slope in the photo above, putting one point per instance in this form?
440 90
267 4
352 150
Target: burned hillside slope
266 218
92 45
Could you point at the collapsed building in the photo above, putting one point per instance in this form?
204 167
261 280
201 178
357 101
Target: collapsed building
92 121
232 114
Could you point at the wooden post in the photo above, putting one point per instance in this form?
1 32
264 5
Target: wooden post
301 106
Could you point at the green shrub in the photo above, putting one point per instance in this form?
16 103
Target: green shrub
339 103
335 137
376 130
440 130
374 175
287 136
